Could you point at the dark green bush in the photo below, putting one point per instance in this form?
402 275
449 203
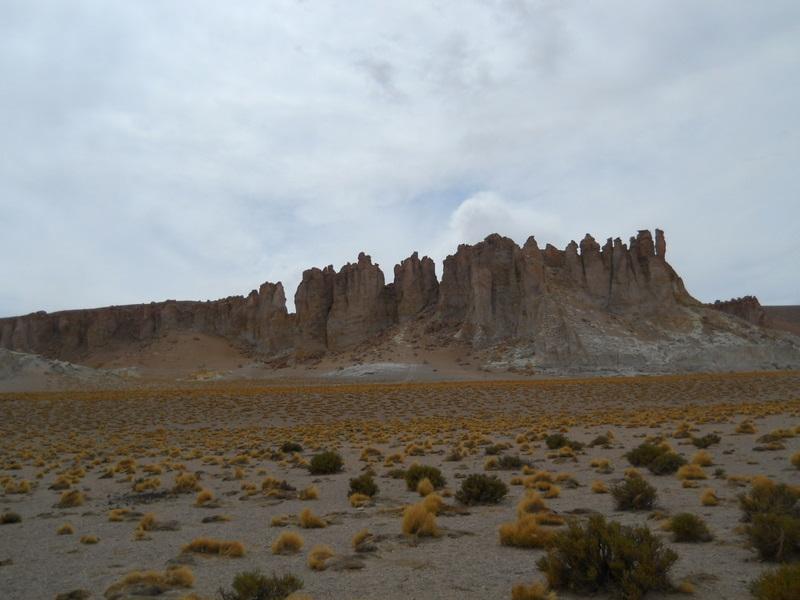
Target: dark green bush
555 441
509 463
291 447
481 489
666 463
252 585
687 527
363 484
782 583
707 440
605 556
634 493
9 517
325 463
775 536
417 473
644 454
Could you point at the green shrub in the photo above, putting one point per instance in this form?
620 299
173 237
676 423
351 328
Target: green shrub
605 556
291 447
481 489
707 440
252 585
396 474
644 454
782 583
417 473
509 463
326 463
666 463
9 518
687 527
555 441
769 498
634 493
775 536
363 484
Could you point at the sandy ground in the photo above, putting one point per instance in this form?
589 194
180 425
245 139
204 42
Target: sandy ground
204 429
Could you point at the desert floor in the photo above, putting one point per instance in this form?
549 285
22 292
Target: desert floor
106 445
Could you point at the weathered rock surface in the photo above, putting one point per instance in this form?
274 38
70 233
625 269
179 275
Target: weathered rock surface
587 307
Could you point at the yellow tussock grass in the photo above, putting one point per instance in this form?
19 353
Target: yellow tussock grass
65 529
691 472
709 497
703 459
71 499
318 556
205 545
535 591
419 521
525 532
309 520
531 503
288 542
89 539
599 487
203 497
358 500
310 493
424 487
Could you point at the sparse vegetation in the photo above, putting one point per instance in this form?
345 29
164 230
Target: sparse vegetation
288 542
782 583
326 463
416 473
318 557
526 532
774 525
363 484
481 489
253 585
686 527
205 545
7 518
601 556
308 520
420 520
634 493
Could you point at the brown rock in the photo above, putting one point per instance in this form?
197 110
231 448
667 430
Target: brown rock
415 286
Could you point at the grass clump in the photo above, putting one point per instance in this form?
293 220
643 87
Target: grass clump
535 591
288 542
8 518
309 493
603 556
795 460
253 585
420 520
525 532
65 529
782 583
634 493
308 520
318 557
481 489
416 473
71 499
186 483
206 545
288 447
774 524
687 527
707 440
709 497
326 463
556 441
156 582
599 487
363 484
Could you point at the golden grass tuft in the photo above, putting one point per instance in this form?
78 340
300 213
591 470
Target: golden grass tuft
536 591
745 427
361 537
601 465
318 556
552 492
702 459
795 460
308 520
709 497
685 587
310 493
145 485
531 503
118 514
288 542
204 496
65 529
525 532
424 487
632 472
433 503
71 498
89 539
174 577
205 545
358 500
147 522
419 521
186 483
599 487
691 472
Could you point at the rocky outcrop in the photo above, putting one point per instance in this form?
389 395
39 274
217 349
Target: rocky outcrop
585 305
416 288
363 305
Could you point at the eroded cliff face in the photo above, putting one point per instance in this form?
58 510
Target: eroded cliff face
746 307
493 291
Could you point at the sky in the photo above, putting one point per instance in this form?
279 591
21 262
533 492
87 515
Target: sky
193 149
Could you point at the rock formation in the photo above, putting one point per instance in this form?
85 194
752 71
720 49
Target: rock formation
586 304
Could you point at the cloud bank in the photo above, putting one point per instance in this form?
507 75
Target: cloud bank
176 149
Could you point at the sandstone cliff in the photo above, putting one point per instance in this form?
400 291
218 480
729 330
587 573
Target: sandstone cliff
584 306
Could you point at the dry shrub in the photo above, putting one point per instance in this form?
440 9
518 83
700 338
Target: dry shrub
745 427
525 532
359 500
118 514
535 591
782 583
425 487
288 542
415 473
318 556
147 522
795 460
552 492
531 503
634 493
691 472
71 498
89 539
599 487
703 458
145 485
65 529
8 518
310 493
420 521
601 465
686 527
252 585
361 537
157 582
204 496
206 545
309 520
709 497
186 483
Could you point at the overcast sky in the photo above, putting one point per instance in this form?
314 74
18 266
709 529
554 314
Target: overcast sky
192 150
